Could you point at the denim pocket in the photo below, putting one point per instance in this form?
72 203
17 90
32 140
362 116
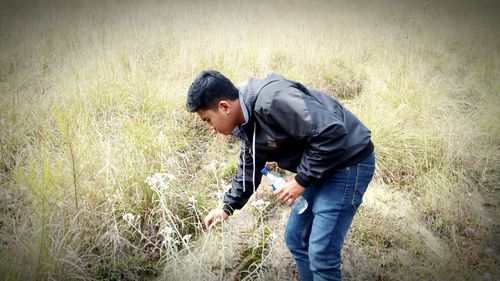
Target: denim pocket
363 177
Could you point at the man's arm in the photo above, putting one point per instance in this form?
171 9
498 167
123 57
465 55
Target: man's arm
303 117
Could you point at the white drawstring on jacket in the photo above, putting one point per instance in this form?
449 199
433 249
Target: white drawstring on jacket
253 158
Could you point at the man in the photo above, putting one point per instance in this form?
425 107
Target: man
306 132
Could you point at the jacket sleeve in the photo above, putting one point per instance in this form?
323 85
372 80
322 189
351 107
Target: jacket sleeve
322 130
236 197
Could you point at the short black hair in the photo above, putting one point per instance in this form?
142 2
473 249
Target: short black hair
208 89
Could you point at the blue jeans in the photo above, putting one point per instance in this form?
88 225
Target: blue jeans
315 237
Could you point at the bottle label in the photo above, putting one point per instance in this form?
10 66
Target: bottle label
278 183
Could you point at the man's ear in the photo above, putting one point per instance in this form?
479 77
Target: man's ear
225 106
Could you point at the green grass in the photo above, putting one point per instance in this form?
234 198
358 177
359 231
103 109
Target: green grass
92 104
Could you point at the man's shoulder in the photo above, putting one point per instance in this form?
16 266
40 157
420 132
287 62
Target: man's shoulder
259 84
273 87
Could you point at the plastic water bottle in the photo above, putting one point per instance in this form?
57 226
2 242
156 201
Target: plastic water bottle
276 181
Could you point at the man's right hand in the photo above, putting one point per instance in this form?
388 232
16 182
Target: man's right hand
214 218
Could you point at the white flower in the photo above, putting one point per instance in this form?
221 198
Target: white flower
260 204
150 181
159 181
192 201
167 232
169 176
212 166
272 237
186 237
129 217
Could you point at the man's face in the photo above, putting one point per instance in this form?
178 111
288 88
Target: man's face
219 120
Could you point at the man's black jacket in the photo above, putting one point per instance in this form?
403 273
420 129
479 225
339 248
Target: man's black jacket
302 129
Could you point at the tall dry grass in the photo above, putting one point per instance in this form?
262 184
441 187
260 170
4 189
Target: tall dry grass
105 176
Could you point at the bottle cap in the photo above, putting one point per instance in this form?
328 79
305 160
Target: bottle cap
265 170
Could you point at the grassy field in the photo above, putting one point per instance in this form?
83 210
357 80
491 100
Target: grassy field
105 176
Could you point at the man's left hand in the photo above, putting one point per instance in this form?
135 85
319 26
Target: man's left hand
290 191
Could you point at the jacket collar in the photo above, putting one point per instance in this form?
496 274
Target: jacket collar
249 92
247 102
